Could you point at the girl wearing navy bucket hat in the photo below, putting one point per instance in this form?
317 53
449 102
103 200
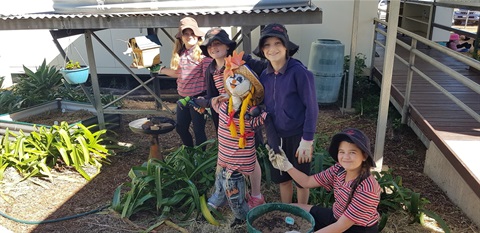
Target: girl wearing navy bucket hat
356 191
218 46
291 101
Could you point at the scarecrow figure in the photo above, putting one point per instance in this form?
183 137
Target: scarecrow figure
236 136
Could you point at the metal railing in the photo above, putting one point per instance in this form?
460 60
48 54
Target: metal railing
414 52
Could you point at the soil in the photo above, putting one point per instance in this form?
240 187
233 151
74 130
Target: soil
275 222
50 117
66 198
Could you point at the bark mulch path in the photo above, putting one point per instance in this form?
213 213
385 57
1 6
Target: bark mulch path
69 194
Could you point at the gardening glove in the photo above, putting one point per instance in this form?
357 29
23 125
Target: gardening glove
155 69
180 105
304 151
279 161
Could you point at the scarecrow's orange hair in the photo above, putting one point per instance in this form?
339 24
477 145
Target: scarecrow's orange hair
232 63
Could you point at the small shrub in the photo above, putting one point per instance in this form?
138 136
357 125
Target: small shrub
359 64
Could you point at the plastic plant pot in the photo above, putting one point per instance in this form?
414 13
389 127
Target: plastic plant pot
76 76
261 210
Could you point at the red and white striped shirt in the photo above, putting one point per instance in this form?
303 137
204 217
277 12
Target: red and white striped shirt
191 74
363 208
229 155
218 80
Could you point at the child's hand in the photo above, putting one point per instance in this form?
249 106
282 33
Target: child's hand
304 151
155 69
254 112
216 101
279 161
199 104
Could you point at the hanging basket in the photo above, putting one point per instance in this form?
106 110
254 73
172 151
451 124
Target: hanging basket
76 76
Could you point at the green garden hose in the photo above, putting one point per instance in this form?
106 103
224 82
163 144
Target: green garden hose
54 220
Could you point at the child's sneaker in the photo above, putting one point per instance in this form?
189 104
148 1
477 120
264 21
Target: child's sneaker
254 201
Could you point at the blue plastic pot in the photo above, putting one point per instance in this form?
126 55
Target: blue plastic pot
76 76
260 210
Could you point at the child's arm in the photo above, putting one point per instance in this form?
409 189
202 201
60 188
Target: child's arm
216 101
256 116
341 225
280 162
302 179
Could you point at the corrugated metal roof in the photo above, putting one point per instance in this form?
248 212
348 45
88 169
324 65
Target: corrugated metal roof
206 18
228 11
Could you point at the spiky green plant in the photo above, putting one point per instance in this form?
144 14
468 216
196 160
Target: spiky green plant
171 187
37 153
39 86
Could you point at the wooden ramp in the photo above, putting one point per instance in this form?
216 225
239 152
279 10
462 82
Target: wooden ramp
454 131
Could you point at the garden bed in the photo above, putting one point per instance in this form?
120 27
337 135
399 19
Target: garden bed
69 194
56 116
49 114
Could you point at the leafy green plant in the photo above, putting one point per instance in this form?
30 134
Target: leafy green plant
71 65
78 146
26 158
360 64
43 85
39 86
395 197
76 93
364 102
173 184
37 153
321 161
9 102
264 162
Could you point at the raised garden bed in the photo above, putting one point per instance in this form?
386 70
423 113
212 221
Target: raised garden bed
55 112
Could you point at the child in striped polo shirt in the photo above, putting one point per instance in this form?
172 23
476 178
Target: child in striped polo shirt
236 136
188 66
356 191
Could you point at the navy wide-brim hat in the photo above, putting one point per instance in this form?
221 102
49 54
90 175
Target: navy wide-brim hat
220 35
279 31
357 137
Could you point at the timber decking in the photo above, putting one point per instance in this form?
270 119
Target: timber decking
453 130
